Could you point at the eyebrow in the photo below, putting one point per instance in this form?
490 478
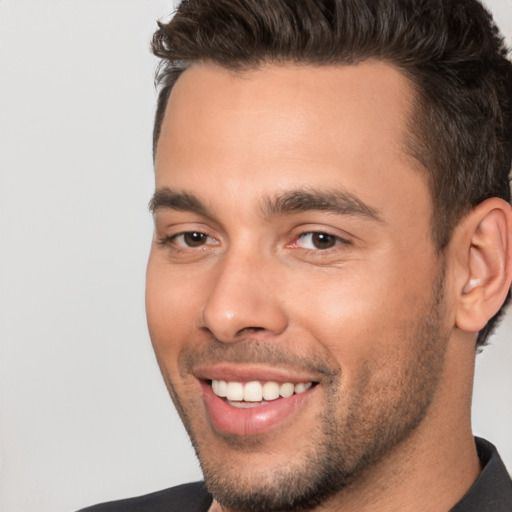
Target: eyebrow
166 198
339 202
288 203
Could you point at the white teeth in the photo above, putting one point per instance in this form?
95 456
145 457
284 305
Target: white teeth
223 388
287 389
303 386
235 391
244 405
255 391
220 388
270 390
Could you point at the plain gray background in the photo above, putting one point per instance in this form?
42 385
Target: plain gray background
84 416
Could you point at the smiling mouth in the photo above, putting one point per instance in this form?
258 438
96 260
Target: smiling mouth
256 393
246 406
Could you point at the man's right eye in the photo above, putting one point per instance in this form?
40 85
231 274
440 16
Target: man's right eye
189 239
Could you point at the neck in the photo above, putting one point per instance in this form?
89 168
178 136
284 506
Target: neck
432 478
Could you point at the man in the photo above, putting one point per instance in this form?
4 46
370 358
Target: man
333 244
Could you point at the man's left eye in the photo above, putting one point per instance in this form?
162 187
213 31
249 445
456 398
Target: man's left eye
318 241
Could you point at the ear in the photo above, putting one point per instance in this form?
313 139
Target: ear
484 263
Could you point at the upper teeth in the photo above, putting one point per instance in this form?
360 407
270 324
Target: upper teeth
256 391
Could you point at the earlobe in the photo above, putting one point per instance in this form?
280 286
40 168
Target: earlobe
487 263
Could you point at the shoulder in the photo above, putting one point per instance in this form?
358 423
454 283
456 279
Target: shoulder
493 488
191 497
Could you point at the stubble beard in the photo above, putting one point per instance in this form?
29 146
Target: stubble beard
382 415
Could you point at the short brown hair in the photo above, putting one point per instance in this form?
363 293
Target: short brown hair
450 50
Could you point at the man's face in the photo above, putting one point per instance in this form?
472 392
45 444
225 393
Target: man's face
293 267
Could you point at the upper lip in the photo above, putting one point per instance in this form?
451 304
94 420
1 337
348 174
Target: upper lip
252 372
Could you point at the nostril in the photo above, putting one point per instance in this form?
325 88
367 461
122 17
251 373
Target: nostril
246 330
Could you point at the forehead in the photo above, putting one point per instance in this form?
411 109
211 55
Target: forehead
315 93
343 126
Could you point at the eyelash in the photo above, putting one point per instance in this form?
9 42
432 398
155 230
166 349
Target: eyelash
171 240
338 240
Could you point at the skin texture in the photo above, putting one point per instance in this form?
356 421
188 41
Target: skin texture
368 312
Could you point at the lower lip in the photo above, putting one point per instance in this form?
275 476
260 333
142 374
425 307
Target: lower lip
252 420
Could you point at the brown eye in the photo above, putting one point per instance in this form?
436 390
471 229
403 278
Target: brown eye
323 240
194 238
318 241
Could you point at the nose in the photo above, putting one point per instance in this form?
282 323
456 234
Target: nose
243 298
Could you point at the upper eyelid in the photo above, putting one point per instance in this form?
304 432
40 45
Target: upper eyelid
189 231
331 231
174 227
324 232
341 240
212 234
168 218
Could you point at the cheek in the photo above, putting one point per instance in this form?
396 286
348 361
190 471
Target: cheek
171 308
363 321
